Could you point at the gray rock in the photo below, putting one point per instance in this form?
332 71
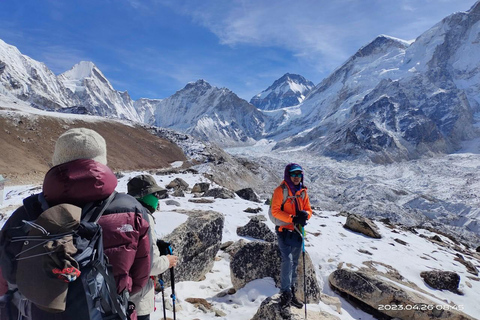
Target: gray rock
375 291
172 203
225 245
196 243
200 187
257 230
248 194
257 260
177 183
233 248
258 218
178 193
201 200
362 225
251 210
270 310
220 193
471 268
442 280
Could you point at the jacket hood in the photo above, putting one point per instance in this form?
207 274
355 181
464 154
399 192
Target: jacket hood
288 181
78 182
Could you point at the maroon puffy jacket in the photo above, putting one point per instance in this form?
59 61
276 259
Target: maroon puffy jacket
125 231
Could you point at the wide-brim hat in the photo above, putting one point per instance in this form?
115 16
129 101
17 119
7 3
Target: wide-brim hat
34 275
142 185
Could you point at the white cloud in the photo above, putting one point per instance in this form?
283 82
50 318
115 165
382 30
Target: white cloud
316 30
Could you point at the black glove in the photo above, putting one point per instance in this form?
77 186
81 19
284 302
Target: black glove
164 247
303 213
300 219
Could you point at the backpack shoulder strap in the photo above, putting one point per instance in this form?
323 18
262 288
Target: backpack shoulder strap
92 212
33 206
303 194
285 196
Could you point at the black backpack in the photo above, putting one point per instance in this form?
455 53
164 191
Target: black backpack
93 295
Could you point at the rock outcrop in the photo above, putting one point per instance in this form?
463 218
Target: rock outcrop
201 187
257 260
248 194
270 310
362 225
258 230
178 183
196 243
390 299
442 280
221 193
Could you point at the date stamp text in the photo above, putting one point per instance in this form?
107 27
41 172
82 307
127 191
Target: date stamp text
418 307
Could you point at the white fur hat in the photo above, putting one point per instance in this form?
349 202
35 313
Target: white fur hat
80 143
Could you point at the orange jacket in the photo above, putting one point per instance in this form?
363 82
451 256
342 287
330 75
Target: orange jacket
289 210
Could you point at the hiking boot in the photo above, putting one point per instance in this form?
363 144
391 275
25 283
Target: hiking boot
285 312
295 302
285 299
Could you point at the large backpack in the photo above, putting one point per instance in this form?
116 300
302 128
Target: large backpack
286 197
91 296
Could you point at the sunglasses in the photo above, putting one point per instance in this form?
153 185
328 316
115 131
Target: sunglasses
296 174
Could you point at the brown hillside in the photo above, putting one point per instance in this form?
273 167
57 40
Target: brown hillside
27 143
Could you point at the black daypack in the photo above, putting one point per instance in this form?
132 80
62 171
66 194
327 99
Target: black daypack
91 296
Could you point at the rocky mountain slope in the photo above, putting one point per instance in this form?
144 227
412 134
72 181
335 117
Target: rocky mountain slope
207 112
27 140
94 93
392 100
379 271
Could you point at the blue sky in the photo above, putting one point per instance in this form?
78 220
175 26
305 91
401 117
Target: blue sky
152 48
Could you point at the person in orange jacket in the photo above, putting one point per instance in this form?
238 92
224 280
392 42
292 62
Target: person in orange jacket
294 211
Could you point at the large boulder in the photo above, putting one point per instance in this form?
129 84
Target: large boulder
257 260
389 298
248 194
270 310
256 229
196 243
200 187
220 193
178 183
362 225
442 280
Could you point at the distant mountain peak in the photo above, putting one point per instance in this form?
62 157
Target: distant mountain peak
289 90
380 44
82 70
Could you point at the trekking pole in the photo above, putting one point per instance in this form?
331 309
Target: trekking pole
160 280
304 274
165 248
172 277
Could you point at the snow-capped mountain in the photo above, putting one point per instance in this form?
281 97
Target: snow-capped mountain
394 100
93 91
83 89
289 90
30 80
211 113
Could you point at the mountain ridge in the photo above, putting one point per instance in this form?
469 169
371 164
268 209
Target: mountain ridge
429 87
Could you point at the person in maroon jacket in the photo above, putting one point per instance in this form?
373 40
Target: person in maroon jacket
80 176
